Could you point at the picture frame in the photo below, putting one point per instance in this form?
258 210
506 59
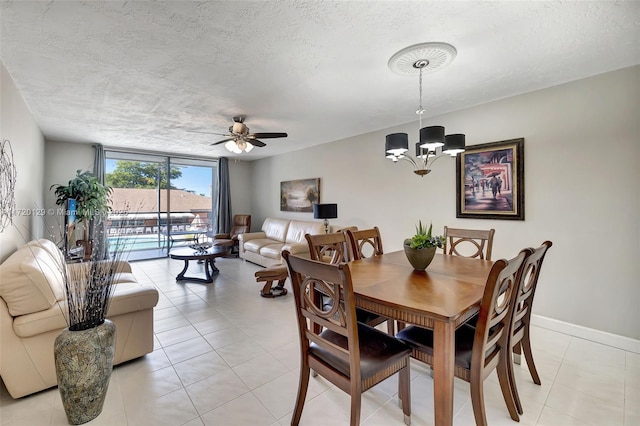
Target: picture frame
490 181
299 195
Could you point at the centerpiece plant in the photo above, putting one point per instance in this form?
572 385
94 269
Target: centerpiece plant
421 248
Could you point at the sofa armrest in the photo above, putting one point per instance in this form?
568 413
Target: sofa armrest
251 236
297 249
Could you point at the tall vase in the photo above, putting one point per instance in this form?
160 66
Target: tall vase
84 361
420 258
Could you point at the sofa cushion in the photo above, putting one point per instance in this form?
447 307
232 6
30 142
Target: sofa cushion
29 278
272 251
298 228
275 229
257 244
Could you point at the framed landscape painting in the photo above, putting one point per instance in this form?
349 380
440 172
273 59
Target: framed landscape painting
490 181
299 195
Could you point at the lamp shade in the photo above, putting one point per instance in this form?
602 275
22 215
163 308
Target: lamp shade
454 144
325 211
397 144
432 137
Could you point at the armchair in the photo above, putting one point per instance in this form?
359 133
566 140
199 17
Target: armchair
241 225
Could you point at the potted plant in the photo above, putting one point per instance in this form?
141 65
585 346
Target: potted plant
421 248
92 202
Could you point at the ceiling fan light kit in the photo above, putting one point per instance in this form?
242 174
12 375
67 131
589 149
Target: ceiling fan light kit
422 59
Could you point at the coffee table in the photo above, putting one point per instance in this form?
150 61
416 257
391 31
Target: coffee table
208 256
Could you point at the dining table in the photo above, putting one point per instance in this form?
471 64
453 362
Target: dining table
440 298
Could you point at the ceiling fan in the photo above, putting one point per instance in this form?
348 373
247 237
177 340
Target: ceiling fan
239 139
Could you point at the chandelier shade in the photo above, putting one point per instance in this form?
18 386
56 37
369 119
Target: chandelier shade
454 144
432 137
397 144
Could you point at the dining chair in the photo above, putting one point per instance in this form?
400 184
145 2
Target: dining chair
474 243
521 319
333 248
480 350
365 243
351 355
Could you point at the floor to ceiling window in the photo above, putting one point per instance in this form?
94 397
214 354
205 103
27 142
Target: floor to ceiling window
159 202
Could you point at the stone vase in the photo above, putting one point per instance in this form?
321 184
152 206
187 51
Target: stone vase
84 361
420 258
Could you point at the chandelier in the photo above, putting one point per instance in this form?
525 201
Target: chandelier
433 143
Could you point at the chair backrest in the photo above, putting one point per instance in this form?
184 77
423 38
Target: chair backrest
494 319
241 225
328 248
468 242
310 277
527 288
365 243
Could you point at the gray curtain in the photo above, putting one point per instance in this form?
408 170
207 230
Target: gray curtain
224 196
98 226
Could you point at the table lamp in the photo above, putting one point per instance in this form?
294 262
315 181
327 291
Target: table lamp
326 212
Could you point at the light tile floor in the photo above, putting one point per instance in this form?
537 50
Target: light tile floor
226 356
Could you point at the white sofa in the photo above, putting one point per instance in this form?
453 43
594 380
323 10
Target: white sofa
32 300
265 247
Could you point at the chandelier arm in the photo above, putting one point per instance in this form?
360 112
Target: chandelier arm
410 160
433 159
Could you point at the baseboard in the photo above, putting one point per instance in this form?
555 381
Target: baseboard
609 339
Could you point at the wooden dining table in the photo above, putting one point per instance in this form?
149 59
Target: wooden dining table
441 298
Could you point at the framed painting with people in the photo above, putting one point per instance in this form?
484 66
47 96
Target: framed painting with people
490 181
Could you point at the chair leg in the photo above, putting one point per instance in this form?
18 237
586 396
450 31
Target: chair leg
528 355
477 401
356 400
404 392
507 380
302 394
517 351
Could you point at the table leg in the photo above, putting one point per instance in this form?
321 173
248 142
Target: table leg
181 274
210 269
443 372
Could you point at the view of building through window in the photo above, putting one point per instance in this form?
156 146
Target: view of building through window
159 202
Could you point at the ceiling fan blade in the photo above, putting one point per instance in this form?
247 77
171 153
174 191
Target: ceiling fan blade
207 133
222 141
256 142
268 135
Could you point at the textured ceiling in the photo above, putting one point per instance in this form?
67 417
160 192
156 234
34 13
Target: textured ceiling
140 74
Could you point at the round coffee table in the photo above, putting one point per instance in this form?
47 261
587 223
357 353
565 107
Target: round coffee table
208 256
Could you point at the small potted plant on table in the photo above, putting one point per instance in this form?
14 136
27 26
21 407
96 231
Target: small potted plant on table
421 248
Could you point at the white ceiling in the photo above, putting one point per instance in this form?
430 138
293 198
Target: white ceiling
139 74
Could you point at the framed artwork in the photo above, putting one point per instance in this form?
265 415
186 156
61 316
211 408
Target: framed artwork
490 181
299 195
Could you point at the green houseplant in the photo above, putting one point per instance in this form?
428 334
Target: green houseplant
421 248
92 201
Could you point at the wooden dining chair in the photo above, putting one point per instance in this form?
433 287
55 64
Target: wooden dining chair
480 350
351 355
365 243
521 319
333 248
473 243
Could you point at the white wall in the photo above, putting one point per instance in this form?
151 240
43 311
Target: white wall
582 173
63 160
18 126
